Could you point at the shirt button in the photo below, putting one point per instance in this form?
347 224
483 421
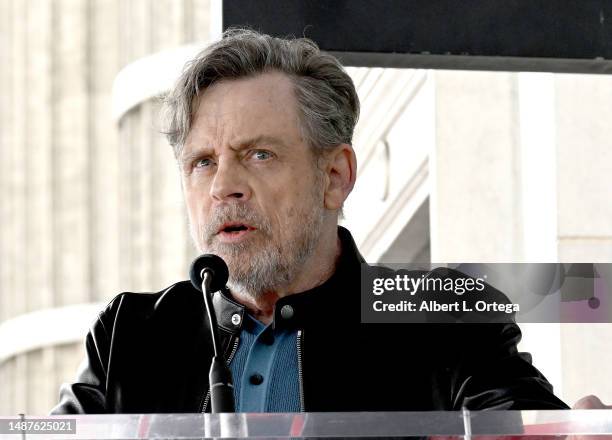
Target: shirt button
236 319
256 379
287 312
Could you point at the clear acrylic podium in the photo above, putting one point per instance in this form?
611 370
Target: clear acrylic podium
589 424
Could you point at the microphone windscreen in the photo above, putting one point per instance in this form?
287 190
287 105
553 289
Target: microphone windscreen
216 265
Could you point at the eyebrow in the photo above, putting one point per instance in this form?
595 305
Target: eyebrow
258 141
241 144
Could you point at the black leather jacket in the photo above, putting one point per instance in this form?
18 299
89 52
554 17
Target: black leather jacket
150 353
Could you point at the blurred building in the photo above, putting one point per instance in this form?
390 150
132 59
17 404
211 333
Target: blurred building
453 167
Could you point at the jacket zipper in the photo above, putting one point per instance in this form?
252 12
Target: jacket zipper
300 335
229 359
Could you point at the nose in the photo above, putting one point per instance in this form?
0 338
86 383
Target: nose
229 182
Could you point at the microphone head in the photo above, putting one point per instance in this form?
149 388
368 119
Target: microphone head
216 265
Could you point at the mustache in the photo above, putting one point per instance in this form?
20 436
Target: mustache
236 212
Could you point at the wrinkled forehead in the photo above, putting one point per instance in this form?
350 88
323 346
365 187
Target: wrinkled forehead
263 105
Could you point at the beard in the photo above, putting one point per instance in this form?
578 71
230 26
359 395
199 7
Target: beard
262 263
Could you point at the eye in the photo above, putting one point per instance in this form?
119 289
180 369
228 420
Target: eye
203 163
261 154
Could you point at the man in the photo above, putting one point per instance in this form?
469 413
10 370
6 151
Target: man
262 130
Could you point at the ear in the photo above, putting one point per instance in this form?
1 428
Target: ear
341 172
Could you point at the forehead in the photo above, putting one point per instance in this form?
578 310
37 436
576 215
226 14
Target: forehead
259 106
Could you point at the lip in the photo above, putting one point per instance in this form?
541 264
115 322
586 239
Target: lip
230 224
233 237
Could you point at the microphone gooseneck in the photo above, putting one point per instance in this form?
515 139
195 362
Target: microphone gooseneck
209 274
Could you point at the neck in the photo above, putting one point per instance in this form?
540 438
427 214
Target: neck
317 269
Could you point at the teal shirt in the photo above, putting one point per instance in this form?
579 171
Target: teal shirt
265 369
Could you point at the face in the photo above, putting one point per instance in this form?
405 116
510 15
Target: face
253 193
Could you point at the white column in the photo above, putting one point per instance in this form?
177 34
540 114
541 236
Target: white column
584 145
71 152
104 150
493 181
538 189
475 205
39 147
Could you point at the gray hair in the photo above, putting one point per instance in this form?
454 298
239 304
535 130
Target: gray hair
328 105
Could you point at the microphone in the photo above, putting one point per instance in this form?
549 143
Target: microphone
209 274
213 264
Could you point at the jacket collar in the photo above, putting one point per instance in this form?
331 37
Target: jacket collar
292 311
